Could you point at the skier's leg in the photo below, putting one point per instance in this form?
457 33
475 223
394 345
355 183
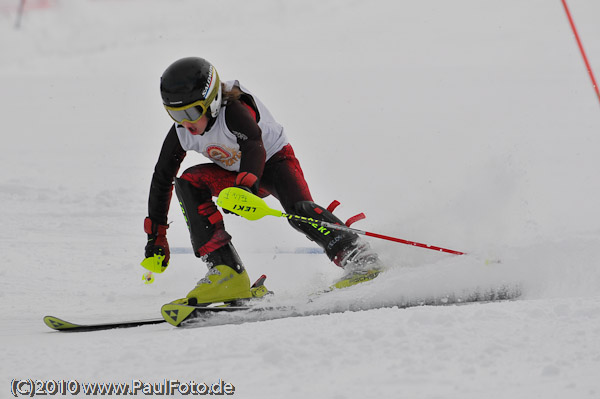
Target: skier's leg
227 278
343 248
283 177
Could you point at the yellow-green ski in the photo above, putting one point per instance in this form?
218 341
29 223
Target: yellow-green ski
62 325
355 278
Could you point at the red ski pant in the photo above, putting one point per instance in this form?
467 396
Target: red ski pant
282 177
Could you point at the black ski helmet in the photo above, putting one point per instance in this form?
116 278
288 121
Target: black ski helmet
191 80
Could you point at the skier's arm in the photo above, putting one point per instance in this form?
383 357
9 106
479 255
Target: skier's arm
161 188
241 119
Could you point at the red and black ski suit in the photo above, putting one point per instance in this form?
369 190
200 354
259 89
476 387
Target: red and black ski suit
280 176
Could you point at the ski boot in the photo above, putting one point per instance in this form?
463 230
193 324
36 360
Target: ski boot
226 281
224 284
360 262
344 248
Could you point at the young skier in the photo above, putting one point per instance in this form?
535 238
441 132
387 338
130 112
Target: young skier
248 148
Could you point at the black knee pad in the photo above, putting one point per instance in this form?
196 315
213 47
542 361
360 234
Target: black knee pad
204 221
331 240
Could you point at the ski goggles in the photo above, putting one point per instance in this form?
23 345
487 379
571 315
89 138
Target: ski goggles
189 113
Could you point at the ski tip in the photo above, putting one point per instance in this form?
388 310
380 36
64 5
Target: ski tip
175 314
58 324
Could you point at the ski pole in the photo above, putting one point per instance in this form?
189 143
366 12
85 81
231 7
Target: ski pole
581 50
369 234
252 207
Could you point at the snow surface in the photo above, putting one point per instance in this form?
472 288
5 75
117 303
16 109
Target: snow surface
467 124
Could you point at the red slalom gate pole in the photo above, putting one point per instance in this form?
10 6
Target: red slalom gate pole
585 60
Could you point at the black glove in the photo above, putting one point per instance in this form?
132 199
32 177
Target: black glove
157 240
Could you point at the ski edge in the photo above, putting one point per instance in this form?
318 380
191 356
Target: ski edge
175 314
62 325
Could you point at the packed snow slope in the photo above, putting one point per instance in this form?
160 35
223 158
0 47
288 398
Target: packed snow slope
469 125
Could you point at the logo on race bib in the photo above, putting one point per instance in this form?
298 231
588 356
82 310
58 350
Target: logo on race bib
224 155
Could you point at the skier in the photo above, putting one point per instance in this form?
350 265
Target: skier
248 148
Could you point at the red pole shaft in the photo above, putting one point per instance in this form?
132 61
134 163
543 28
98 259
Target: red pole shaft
585 60
381 236
413 243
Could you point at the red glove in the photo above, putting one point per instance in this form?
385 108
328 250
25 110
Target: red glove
157 240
